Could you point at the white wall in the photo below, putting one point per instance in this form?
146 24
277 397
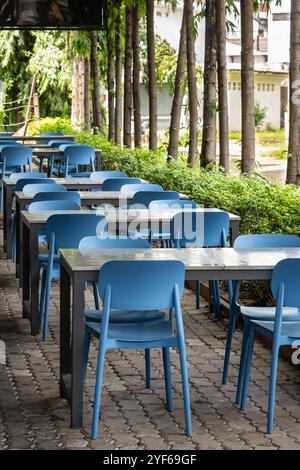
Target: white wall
279 34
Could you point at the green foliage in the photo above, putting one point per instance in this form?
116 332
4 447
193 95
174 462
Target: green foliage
260 113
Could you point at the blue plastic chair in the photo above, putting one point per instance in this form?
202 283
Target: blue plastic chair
75 156
50 134
115 184
10 142
6 134
89 244
285 288
58 196
62 231
96 175
165 204
142 286
33 188
56 205
14 158
58 143
135 188
32 175
144 198
251 242
200 229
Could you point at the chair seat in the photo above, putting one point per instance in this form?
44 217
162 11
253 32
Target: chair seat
288 329
265 313
137 332
125 316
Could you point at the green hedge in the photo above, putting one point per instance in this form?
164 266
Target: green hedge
263 207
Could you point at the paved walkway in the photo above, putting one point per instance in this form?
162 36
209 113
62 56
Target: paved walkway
33 416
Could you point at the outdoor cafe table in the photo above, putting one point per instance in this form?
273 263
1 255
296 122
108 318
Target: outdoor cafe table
32 224
38 138
201 264
9 186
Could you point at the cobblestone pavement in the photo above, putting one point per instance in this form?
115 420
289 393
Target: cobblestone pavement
33 416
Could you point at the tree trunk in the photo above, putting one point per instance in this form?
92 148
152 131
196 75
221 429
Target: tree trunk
136 76
81 91
293 168
222 83
192 82
118 78
152 78
247 75
178 93
110 86
96 97
128 79
75 92
87 101
209 142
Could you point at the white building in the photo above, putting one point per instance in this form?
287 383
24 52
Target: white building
271 36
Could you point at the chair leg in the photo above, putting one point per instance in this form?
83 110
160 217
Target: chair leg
13 254
86 349
217 301
185 389
168 382
272 388
98 391
148 367
230 330
96 298
42 297
197 290
247 369
242 363
47 303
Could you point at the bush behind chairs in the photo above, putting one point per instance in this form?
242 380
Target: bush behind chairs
115 183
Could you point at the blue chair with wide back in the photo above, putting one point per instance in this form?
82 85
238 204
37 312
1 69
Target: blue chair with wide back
35 188
14 158
141 286
135 188
105 174
62 231
174 204
285 289
253 242
116 183
92 244
58 196
202 229
144 198
44 206
76 156
26 175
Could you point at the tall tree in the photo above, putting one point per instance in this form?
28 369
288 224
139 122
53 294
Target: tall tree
118 73
192 81
178 93
222 83
293 168
110 82
247 77
136 75
96 89
128 78
87 98
152 78
208 149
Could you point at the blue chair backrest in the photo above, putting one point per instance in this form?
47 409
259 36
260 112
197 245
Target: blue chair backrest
29 174
144 198
95 243
287 272
50 134
96 175
6 134
172 204
44 188
115 184
58 143
266 240
141 285
69 229
23 181
43 206
135 188
200 229
58 196
75 154
15 156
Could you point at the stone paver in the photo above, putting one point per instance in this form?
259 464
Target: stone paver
33 416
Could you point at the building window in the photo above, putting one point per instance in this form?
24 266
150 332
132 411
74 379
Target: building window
158 13
273 87
263 87
268 87
281 16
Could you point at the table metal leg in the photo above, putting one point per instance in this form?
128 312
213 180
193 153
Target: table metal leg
7 219
25 271
34 280
19 238
65 344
